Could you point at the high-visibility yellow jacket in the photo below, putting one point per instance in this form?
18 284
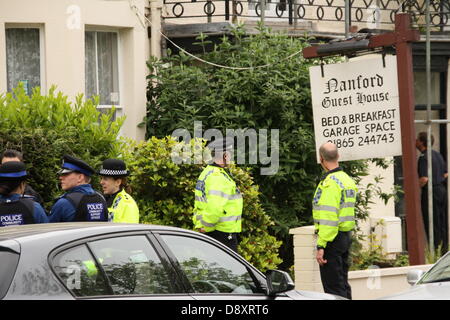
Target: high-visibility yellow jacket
91 268
334 206
124 209
218 202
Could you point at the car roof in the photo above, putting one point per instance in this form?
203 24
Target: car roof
9 233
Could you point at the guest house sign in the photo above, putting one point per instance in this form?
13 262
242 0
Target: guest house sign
356 106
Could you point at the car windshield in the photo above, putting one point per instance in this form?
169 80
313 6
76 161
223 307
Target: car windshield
439 272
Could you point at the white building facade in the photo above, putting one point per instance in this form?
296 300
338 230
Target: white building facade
100 47
92 47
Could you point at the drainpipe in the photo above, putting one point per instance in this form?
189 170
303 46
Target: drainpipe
155 35
348 21
262 6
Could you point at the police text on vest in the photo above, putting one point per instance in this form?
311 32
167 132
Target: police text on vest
11 220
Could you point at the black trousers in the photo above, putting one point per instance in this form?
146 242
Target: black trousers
228 239
334 274
440 218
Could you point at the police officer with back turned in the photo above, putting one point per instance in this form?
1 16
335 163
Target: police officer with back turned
14 155
80 202
334 218
15 209
218 202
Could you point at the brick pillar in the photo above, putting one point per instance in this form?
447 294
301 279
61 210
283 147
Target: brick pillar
307 274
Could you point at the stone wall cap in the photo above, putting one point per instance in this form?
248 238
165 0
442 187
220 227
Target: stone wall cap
302 230
358 274
385 219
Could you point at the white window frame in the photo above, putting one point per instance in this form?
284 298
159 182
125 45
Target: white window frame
119 107
42 54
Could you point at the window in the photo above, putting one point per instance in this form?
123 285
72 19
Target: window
210 269
439 272
8 269
420 87
102 68
132 266
121 266
79 272
437 100
23 58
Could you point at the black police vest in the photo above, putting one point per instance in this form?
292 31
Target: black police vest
88 207
14 213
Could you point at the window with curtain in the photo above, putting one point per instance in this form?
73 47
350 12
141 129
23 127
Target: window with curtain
101 67
23 58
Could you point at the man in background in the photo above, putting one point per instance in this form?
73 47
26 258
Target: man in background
439 176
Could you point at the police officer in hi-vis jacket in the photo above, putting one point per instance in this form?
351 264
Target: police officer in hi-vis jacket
334 219
121 206
218 201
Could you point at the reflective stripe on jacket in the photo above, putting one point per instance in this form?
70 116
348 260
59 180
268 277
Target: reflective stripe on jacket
334 206
124 209
218 202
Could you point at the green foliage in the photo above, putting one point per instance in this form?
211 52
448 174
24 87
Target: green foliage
402 260
363 258
432 257
164 192
44 127
181 91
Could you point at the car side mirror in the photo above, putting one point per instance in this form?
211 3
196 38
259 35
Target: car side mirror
413 276
278 282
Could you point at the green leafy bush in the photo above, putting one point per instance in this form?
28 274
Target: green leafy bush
364 259
276 97
164 192
374 254
45 127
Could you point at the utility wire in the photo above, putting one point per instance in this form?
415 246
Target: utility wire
139 14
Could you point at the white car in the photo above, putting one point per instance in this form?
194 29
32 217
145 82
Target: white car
431 285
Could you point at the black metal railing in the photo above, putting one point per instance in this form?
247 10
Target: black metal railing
375 13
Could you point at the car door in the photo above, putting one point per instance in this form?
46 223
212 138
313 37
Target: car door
211 270
125 266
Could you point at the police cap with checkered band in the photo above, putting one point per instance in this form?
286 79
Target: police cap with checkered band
114 168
